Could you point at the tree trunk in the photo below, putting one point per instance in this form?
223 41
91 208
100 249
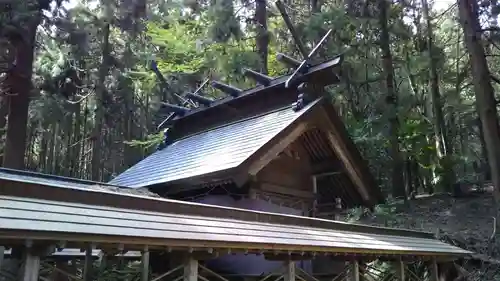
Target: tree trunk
485 99
262 38
4 110
19 83
100 106
398 189
441 139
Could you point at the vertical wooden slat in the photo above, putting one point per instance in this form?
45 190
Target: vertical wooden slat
434 270
190 269
289 271
355 270
145 264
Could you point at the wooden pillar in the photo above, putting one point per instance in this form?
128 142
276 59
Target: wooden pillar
87 266
145 264
400 270
355 270
31 266
289 271
434 270
190 269
2 252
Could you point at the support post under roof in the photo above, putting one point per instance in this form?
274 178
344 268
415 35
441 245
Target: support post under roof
355 270
190 269
31 265
400 270
289 270
145 264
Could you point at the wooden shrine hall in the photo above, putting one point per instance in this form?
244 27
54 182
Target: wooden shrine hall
41 215
239 190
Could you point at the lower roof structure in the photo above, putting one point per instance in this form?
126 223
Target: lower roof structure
48 213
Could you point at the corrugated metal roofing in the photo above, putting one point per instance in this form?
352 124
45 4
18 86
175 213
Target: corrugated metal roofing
211 151
43 216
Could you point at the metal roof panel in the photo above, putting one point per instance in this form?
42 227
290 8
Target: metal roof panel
37 178
211 151
34 215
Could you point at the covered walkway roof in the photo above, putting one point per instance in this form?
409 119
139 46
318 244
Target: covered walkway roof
59 209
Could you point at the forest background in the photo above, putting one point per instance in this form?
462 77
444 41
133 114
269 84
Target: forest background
84 98
79 96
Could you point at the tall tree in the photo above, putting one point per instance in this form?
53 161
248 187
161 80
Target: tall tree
391 101
19 83
443 146
484 92
262 38
97 136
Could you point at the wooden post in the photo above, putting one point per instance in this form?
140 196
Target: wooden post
400 270
338 208
31 266
2 252
315 192
87 266
191 269
145 264
355 270
289 271
434 270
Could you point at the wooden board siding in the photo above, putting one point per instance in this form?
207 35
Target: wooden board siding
289 172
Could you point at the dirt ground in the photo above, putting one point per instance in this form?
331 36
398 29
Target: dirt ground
469 221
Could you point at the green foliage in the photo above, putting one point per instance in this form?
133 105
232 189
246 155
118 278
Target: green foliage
150 141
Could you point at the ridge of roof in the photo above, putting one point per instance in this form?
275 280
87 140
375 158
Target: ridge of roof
288 106
278 82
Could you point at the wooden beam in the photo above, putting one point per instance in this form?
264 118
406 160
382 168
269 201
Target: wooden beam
285 190
327 166
287 257
271 153
190 269
289 270
145 264
342 152
197 254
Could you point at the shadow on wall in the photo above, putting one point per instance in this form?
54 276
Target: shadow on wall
242 264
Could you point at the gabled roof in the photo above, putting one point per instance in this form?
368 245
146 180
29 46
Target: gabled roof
211 151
